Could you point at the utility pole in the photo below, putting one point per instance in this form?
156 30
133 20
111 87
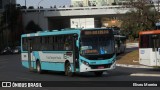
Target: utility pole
39 3
25 3
39 11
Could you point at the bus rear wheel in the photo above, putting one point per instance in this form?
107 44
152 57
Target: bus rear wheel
38 67
99 73
68 70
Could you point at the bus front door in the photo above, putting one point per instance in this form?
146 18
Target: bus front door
29 54
156 49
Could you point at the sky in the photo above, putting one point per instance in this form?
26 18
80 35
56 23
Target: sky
44 3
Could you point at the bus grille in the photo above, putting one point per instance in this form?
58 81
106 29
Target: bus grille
97 66
98 57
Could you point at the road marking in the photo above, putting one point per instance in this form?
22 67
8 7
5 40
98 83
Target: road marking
145 75
105 73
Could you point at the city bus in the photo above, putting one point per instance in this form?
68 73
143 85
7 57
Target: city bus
149 48
69 50
120 40
120 44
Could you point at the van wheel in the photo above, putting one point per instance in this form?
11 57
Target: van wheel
38 67
68 70
99 73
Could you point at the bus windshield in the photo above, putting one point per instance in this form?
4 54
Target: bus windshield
96 45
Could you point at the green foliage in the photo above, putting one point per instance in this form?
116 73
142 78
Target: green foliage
11 14
10 22
32 27
143 17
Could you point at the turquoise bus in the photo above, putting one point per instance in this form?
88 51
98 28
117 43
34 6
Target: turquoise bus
69 50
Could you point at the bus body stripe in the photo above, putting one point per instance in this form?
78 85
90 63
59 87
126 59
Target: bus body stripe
49 66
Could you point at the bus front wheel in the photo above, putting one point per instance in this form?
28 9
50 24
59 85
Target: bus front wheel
68 70
38 67
98 73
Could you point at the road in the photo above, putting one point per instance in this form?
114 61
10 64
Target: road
12 70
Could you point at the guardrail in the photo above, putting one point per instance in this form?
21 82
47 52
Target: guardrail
81 8
76 8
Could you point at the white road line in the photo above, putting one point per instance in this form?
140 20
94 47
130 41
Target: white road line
132 66
145 75
105 73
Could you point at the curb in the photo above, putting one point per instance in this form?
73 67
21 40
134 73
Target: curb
132 45
132 66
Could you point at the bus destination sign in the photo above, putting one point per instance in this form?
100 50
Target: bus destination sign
97 32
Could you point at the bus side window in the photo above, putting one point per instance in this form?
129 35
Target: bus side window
50 43
60 43
68 43
55 42
159 40
48 47
144 41
156 42
36 43
43 44
24 44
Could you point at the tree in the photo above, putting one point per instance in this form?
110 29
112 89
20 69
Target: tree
9 24
32 27
1 33
142 17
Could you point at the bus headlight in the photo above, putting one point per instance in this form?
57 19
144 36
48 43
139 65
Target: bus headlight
84 62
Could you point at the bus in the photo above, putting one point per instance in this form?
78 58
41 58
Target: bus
120 44
69 50
149 48
120 40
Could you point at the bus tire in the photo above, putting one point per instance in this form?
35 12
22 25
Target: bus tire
38 67
68 70
99 73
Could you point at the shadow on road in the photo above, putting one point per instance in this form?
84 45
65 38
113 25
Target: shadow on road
87 74
156 69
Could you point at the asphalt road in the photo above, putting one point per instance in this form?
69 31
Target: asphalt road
12 70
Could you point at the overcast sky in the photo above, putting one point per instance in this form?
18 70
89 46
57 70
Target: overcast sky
44 3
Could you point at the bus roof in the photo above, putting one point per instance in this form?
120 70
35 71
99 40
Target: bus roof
150 32
53 32
58 32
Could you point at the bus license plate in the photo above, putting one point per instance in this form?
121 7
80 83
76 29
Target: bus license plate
101 67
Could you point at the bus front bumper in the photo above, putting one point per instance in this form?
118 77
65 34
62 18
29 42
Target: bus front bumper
90 68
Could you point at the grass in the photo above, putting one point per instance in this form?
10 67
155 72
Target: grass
131 58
